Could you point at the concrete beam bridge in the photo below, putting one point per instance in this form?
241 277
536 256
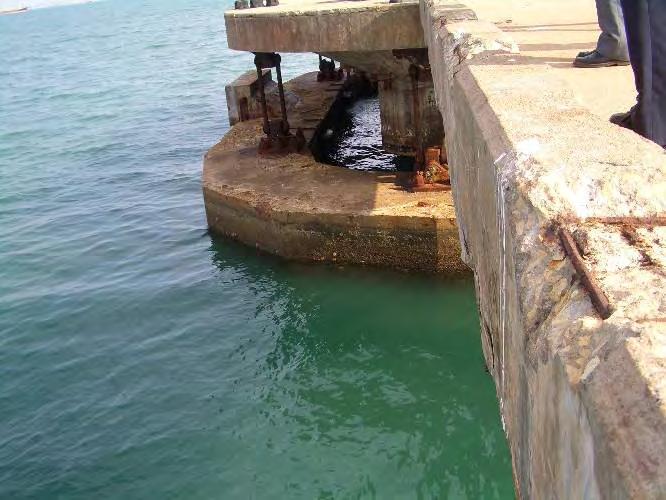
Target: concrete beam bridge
560 215
382 39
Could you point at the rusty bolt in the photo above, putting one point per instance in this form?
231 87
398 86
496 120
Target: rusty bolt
418 180
432 155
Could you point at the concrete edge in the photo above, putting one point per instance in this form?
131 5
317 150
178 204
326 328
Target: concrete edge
399 242
275 12
394 26
614 449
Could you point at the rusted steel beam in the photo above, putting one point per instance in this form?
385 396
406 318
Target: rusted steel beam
262 95
597 296
279 139
283 105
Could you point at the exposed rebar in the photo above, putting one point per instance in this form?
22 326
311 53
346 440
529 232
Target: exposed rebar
597 295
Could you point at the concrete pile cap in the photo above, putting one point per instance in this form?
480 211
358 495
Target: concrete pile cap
292 8
295 207
322 26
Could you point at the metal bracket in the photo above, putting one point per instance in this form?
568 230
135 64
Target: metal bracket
327 71
278 138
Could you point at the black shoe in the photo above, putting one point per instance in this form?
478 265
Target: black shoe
623 120
584 53
595 60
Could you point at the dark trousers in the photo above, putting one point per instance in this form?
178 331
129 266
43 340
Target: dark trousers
645 22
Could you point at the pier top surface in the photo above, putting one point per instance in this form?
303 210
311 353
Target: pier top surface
552 33
318 7
325 26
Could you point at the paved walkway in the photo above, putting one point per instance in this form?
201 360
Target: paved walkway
552 32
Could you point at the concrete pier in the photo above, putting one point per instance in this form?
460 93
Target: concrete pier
532 156
326 27
531 151
370 35
295 207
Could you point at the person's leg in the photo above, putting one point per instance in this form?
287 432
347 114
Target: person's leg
611 49
645 22
638 39
657 110
612 42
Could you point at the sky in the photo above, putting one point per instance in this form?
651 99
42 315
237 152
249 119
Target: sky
35 4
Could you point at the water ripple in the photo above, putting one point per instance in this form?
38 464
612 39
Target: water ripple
142 358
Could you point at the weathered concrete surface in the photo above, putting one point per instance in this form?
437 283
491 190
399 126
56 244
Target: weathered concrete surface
552 33
583 400
243 101
396 101
325 26
300 209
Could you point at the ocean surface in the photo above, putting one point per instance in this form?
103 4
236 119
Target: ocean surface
355 140
142 357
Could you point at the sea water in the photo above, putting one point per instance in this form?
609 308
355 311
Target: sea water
142 357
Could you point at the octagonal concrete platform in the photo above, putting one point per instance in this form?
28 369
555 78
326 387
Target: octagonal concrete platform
297 208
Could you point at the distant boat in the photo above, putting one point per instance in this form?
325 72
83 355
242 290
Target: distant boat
13 11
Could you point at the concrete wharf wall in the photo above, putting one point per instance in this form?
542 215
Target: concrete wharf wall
583 399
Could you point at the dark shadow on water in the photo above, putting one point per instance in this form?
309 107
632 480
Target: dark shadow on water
352 138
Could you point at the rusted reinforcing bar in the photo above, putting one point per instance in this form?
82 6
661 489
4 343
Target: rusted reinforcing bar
598 297
657 220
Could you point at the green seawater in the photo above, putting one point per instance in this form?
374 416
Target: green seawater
142 357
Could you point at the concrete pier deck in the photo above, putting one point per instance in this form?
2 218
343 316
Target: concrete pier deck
551 34
325 26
